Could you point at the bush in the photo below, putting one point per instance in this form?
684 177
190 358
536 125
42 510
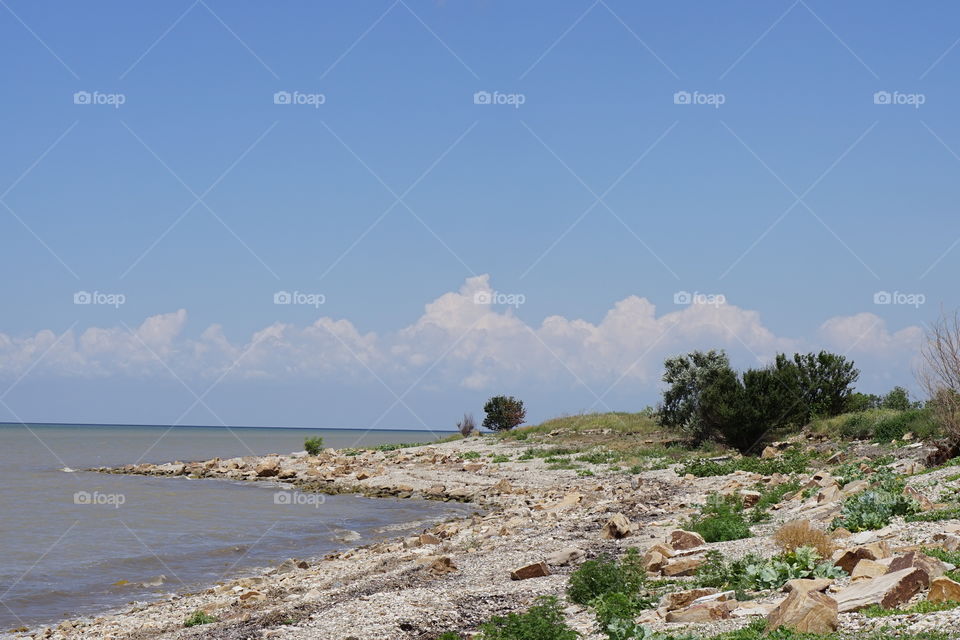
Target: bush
688 378
798 534
503 413
614 614
606 575
197 618
874 508
720 519
793 461
897 399
543 621
467 425
753 573
313 445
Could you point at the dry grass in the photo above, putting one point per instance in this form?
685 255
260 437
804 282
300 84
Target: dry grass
799 533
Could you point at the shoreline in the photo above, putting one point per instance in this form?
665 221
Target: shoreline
459 573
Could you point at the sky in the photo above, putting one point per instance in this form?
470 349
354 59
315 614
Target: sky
379 214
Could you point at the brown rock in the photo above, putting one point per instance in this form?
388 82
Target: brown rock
932 567
868 569
804 585
537 570
617 527
682 566
922 500
429 538
442 565
848 559
707 612
473 467
268 468
502 486
944 589
888 591
770 452
681 599
654 562
682 540
830 493
750 498
805 611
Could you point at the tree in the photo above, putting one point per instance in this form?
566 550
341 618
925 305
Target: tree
821 384
940 373
503 413
689 377
467 425
897 398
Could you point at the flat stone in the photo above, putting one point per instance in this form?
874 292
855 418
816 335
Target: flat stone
682 566
617 527
536 570
682 599
932 567
708 612
888 591
944 589
866 569
849 558
804 585
564 557
681 540
806 612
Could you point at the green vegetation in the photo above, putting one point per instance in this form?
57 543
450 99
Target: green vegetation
197 618
752 573
543 621
792 461
924 606
615 613
313 445
497 459
503 413
470 455
875 507
880 425
720 519
606 575
953 513
770 496
756 631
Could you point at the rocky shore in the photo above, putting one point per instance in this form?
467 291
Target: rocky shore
535 524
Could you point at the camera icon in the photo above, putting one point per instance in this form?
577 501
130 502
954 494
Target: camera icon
882 97
82 297
282 297
882 297
82 497
282 97
482 97
682 97
682 297
483 297
283 497
82 97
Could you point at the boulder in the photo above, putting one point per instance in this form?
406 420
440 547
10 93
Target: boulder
502 486
866 569
564 557
654 562
944 589
268 468
429 538
682 566
617 527
681 540
750 498
442 565
770 452
949 541
888 591
536 570
805 611
682 599
705 612
849 558
803 585
932 567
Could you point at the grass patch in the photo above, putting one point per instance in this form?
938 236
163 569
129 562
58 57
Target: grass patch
543 621
879 425
770 496
470 455
924 606
793 461
720 519
953 513
756 631
497 459
197 618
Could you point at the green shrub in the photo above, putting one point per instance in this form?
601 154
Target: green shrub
197 618
313 445
953 513
503 413
543 621
897 399
924 606
470 455
792 461
500 458
615 613
753 573
874 508
720 519
449 635
606 575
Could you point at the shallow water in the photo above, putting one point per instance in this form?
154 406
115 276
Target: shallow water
68 539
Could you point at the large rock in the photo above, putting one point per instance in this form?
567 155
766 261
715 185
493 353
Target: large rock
932 567
804 585
617 527
681 540
536 570
867 569
564 557
682 599
848 559
944 589
888 591
805 611
708 609
682 566
268 468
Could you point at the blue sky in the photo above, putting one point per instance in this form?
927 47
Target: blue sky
593 203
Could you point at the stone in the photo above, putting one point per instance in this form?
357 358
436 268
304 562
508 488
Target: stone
429 538
268 468
665 550
436 490
932 567
868 569
617 527
770 452
564 557
682 540
750 498
442 565
888 591
502 486
943 589
706 612
848 559
829 493
803 585
682 599
473 467
806 612
925 503
536 570
654 562
682 566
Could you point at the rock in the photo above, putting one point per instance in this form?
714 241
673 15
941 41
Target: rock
706 612
429 538
830 493
442 565
848 559
803 585
750 498
922 500
868 569
654 562
805 611
502 486
436 490
564 557
617 527
268 468
289 565
473 467
537 570
681 540
944 589
682 566
665 550
888 591
932 567
770 452
949 541
681 599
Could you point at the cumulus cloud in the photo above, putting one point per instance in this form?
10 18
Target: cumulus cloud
459 341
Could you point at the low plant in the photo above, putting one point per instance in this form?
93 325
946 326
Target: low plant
720 519
770 496
950 557
605 575
198 617
753 573
924 606
542 621
470 455
313 445
798 534
875 507
953 513
792 461
615 613
497 459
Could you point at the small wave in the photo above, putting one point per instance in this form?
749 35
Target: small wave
68 470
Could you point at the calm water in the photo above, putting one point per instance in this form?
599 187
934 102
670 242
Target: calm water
59 558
